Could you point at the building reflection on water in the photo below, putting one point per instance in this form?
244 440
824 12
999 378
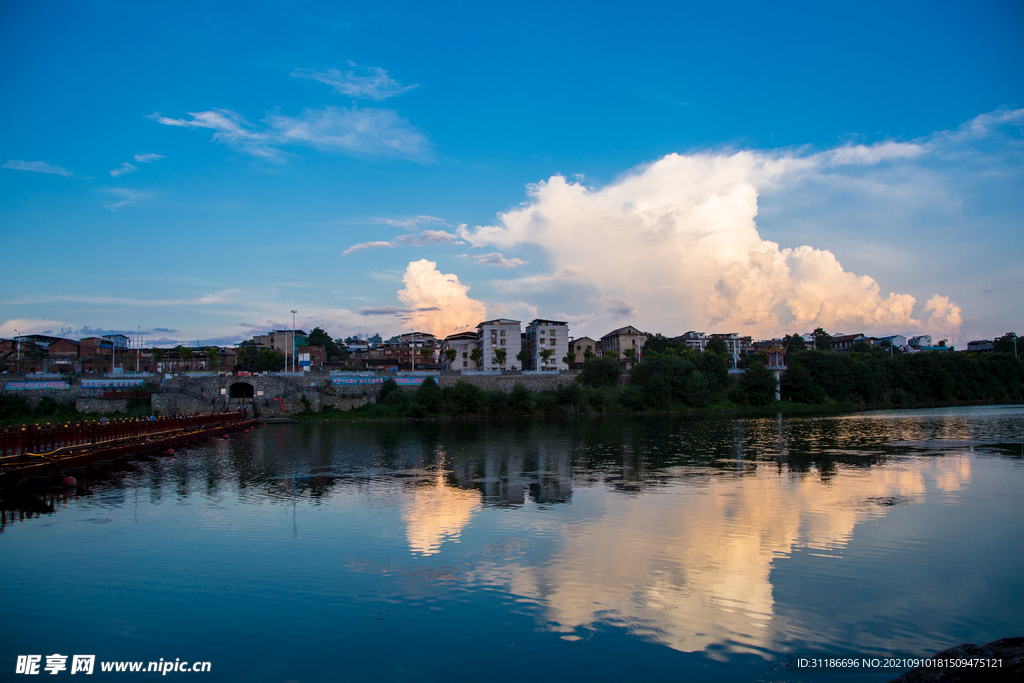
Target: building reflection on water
668 528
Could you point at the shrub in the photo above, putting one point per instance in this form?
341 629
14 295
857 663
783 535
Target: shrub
464 398
601 372
521 399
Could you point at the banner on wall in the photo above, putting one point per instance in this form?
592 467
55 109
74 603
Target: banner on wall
111 383
37 384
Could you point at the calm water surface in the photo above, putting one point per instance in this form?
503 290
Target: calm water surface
664 548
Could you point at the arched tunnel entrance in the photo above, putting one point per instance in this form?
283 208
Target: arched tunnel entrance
242 390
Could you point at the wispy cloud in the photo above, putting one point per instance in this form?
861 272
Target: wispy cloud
396 311
420 239
123 169
365 245
357 132
148 158
37 167
361 132
494 259
230 129
232 296
410 221
127 197
360 82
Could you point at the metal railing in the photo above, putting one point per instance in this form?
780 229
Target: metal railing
45 439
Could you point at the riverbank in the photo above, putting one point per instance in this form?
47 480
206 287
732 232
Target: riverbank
721 411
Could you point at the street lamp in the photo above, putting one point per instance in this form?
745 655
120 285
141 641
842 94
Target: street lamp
293 339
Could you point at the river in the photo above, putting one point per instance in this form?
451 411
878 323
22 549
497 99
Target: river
653 547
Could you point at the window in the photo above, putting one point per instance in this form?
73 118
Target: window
465 355
503 333
502 342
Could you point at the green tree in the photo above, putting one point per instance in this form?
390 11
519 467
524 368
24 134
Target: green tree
601 372
822 339
523 357
184 353
429 395
545 355
717 345
630 355
758 385
318 337
427 354
569 358
659 343
451 354
213 356
793 343
500 355
1008 343
158 354
476 355
589 355
465 397
610 353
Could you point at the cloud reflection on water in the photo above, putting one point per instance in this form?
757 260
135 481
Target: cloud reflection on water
688 564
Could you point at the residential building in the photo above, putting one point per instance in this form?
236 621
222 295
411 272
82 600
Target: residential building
924 340
580 346
547 335
845 342
312 358
463 343
981 345
622 339
502 333
695 341
897 340
735 345
404 354
282 340
118 341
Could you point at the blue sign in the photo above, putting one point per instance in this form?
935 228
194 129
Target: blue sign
400 381
111 383
37 384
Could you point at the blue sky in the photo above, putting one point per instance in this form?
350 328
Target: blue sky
200 169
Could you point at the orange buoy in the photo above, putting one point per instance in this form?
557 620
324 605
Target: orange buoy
70 481
170 451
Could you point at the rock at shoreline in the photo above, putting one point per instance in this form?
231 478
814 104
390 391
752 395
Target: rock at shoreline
1009 650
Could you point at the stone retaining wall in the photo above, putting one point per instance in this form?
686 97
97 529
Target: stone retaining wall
196 395
506 381
102 406
176 403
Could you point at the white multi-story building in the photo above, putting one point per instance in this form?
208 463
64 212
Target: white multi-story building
463 343
552 335
492 335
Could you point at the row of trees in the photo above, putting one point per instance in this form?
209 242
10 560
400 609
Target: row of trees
674 378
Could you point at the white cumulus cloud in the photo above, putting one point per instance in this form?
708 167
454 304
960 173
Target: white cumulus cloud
438 302
675 246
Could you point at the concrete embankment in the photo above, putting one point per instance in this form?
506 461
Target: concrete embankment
270 395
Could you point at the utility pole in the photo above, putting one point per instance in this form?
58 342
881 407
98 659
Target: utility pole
293 339
17 337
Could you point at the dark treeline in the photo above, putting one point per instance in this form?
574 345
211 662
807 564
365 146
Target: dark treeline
681 380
